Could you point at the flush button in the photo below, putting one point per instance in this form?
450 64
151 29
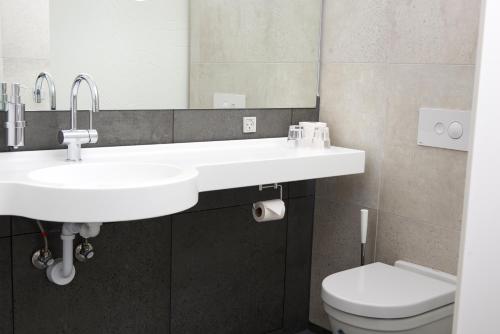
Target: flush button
455 130
439 128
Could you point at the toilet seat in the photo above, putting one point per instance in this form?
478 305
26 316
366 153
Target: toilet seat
390 325
382 291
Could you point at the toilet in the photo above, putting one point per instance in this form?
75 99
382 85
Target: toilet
380 298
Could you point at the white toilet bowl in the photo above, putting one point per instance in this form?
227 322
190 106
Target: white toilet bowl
379 298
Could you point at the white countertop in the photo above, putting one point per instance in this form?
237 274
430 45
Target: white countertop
211 165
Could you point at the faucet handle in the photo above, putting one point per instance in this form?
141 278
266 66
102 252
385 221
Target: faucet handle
65 137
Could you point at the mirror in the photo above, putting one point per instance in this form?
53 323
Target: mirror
165 54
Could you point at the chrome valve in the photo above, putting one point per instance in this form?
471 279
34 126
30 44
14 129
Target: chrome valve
42 258
84 251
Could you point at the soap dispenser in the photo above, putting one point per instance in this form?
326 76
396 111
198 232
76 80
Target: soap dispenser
15 122
3 96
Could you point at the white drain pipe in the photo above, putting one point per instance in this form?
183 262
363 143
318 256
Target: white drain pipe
62 271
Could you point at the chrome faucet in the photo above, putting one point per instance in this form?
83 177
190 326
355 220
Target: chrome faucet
74 138
37 92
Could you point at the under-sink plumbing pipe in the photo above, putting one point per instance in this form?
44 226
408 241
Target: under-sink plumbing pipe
62 271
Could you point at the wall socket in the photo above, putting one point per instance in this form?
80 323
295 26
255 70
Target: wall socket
249 124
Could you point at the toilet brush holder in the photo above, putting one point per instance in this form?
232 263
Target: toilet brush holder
364 232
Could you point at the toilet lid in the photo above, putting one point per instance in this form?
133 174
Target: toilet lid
379 290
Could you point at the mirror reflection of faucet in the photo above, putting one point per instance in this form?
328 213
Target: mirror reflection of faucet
37 91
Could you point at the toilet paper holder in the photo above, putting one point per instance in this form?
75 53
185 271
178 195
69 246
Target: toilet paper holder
274 186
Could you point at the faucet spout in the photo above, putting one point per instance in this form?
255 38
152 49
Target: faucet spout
37 92
74 98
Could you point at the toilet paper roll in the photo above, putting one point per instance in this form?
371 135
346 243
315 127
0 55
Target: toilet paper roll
269 210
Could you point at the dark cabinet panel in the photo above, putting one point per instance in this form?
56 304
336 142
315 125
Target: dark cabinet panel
5 287
227 272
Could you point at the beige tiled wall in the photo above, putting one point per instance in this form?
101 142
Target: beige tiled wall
382 60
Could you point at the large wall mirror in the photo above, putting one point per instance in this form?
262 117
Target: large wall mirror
166 54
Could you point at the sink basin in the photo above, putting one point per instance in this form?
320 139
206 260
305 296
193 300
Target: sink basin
108 192
106 175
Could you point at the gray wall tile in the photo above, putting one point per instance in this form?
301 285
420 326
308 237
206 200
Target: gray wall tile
4 226
124 289
433 31
5 287
228 271
225 124
305 115
298 263
118 127
355 31
134 127
431 245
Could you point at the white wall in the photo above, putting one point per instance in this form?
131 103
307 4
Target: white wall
137 51
477 308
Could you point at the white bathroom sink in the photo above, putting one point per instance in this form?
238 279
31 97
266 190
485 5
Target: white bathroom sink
110 191
113 184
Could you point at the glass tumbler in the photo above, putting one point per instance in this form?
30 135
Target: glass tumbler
295 135
321 138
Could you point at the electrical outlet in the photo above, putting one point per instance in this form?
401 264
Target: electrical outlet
249 124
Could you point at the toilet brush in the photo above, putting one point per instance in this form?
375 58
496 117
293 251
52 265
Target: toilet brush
364 229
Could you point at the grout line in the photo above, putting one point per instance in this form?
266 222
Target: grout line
286 62
285 266
389 63
171 218
173 126
381 170
309 280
